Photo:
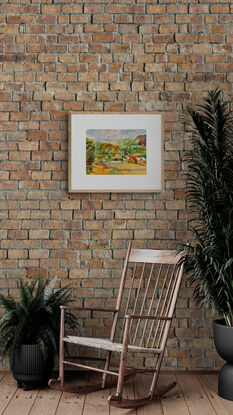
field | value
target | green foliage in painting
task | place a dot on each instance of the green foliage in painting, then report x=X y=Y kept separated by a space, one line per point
x=103 y=153
x=128 y=147
x=90 y=154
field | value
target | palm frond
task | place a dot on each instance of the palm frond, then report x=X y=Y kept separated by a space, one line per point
x=209 y=193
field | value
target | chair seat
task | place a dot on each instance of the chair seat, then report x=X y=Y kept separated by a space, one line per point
x=107 y=344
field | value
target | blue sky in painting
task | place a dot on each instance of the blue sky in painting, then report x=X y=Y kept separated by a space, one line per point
x=114 y=135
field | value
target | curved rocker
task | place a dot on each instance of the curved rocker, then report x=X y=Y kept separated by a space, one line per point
x=73 y=386
x=120 y=402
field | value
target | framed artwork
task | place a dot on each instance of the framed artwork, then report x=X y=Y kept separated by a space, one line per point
x=115 y=152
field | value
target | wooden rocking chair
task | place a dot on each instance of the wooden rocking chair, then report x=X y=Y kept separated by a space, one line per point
x=142 y=318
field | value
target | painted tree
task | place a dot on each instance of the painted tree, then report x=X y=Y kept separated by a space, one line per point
x=90 y=154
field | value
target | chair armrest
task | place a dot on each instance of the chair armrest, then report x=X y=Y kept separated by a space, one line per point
x=73 y=307
x=137 y=316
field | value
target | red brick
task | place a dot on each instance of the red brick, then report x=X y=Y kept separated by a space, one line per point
x=91 y=204
x=38 y=234
x=219 y=8
x=122 y=234
x=103 y=37
x=8 y=263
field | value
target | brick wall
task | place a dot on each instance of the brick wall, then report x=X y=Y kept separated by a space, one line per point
x=62 y=56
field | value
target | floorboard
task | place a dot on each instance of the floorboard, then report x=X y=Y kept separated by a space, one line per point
x=21 y=402
x=96 y=402
x=173 y=403
x=194 y=394
x=210 y=386
x=72 y=403
x=46 y=402
x=8 y=388
x=195 y=397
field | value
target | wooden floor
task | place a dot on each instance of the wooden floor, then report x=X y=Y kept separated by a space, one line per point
x=195 y=394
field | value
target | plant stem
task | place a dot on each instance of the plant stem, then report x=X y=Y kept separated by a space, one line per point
x=227 y=320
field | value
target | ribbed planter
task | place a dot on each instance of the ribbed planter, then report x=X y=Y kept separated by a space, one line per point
x=223 y=340
x=29 y=366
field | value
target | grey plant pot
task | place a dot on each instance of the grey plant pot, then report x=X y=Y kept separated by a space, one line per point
x=29 y=366
x=223 y=340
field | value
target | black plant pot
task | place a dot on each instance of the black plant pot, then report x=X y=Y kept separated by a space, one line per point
x=223 y=340
x=29 y=367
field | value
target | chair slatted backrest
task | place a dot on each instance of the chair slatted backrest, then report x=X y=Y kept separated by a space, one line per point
x=149 y=287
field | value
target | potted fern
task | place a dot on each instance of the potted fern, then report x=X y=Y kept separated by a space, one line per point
x=209 y=263
x=29 y=329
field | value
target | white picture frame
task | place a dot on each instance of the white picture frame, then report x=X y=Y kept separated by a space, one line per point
x=94 y=166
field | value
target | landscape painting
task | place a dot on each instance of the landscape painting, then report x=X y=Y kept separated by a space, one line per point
x=111 y=152
x=116 y=152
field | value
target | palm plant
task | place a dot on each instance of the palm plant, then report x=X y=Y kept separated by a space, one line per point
x=34 y=318
x=209 y=263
